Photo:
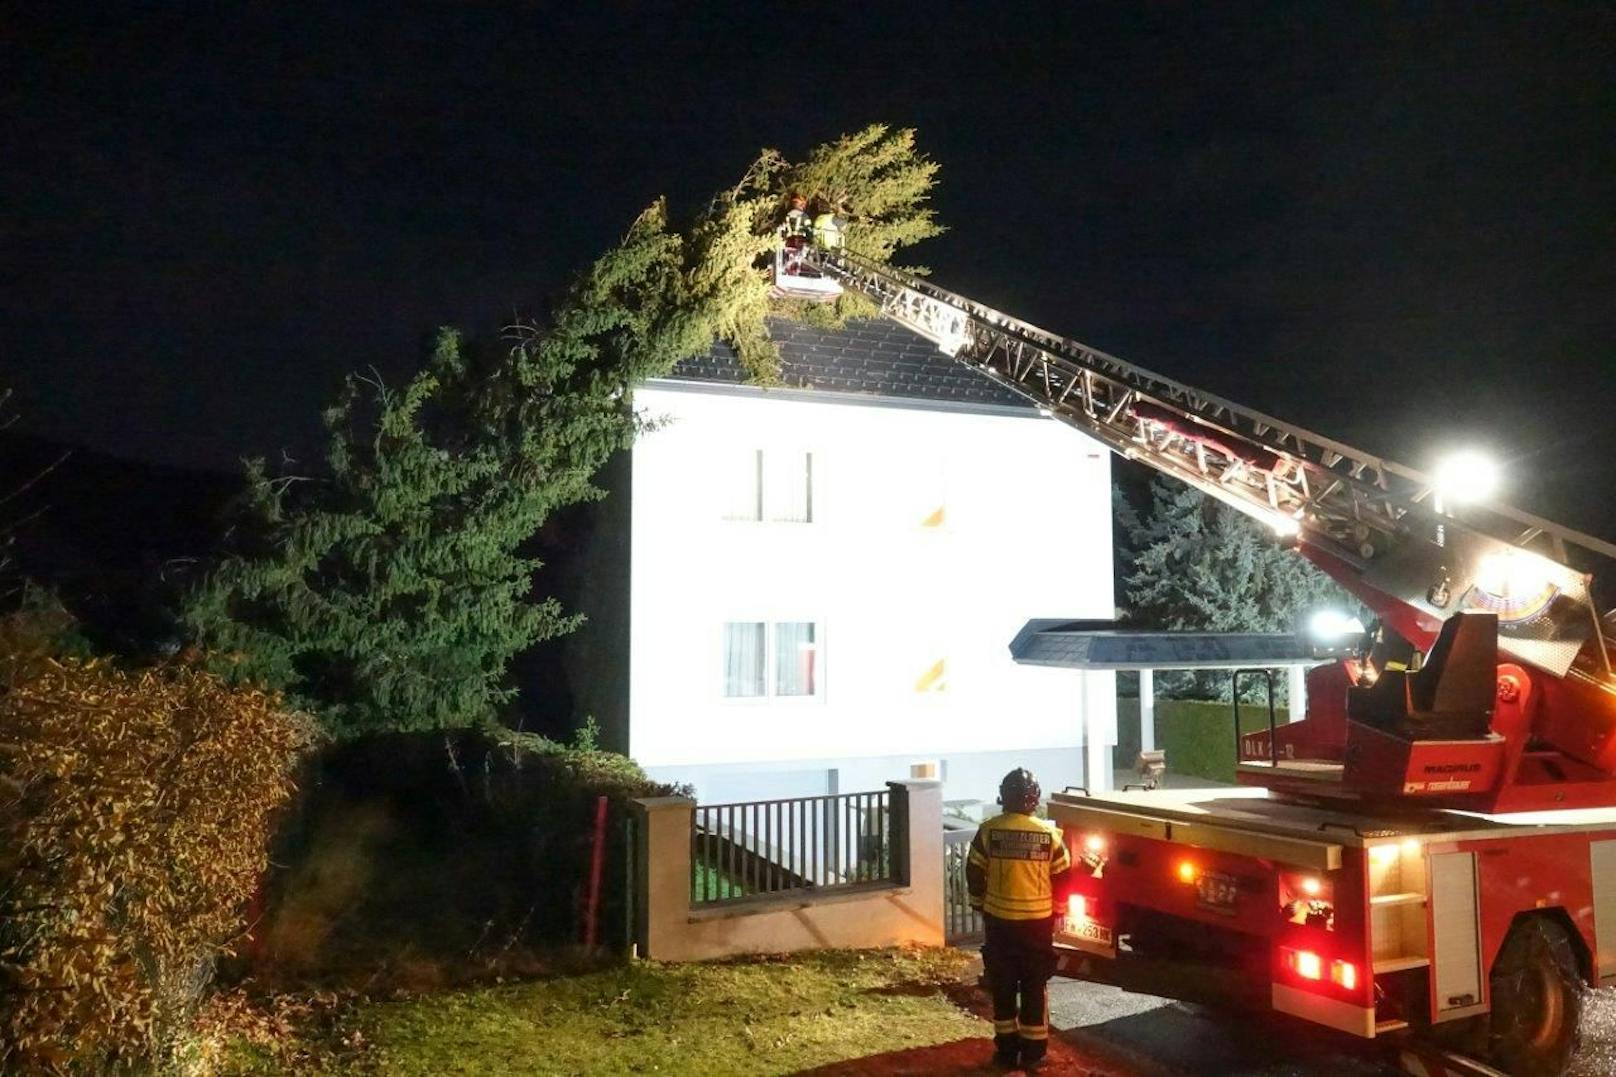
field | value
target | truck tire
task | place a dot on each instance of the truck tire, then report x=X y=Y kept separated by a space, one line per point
x=1536 y=1001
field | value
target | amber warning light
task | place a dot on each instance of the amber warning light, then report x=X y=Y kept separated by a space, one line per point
x=1310 y=966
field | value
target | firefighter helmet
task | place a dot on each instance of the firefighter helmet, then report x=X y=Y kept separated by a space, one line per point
x=1019 y=791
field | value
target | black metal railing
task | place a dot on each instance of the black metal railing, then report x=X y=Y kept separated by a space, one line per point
x=803 y=844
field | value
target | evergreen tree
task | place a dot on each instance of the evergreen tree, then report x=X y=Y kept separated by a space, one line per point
x=390 y=593
x=1193 y=563
x=877 y=181
x=390 y=590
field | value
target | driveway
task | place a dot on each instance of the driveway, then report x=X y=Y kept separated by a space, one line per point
x=1165 y=1037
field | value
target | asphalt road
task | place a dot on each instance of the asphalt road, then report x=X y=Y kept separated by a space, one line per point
x=1165 y=1037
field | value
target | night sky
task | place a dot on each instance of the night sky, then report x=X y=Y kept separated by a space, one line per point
x=1398 y=229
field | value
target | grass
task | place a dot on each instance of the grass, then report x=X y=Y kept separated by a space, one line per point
x=761 y=1016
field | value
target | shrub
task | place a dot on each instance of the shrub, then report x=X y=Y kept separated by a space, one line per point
x=135 y=811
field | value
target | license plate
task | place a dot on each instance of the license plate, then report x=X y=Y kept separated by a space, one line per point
x=1090 y=932
x=1217 y=892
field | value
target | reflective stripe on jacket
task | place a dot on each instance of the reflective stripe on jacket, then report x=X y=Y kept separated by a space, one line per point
x=1014 y=864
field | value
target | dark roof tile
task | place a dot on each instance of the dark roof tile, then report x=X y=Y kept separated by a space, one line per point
x=875 y=357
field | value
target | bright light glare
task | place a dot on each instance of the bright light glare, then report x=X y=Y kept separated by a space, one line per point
x=1309 y=965
x=1094 y=843
x=1512 y=574
x=1186 y=871
x=1328 y=626
x=1311 y=886
x=1077 y=907
x=1411 y=847
x=1467 y=475
x=1285 y=526
x=1383 y=854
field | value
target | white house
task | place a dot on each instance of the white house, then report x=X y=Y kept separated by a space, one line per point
x=823 y=579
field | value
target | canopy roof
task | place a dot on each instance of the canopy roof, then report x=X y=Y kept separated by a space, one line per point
x=1072 y=644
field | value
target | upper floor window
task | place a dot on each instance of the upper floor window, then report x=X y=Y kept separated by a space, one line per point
x=771 y=484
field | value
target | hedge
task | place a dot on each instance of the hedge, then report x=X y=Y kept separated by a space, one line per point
x=1197 y=735
x=135 y=813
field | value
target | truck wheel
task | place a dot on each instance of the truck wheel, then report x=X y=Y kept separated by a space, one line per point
x=1536 y=1000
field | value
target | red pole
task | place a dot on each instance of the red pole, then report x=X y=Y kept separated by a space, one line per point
x=596 y=860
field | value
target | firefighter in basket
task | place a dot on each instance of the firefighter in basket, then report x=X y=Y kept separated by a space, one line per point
x=804 y=227
x=795 y=232
x=1016 y=873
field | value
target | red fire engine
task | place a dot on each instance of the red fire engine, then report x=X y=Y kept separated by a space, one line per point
x=1429 y=855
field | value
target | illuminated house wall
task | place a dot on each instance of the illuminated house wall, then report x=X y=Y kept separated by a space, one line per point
x=933 y=531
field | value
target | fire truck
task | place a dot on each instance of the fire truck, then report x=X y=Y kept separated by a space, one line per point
x=1427 y=856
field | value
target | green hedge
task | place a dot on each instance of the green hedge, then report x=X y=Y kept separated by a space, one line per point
x=1198 y=736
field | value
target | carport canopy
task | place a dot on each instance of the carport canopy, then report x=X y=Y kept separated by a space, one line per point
x=1101 y=645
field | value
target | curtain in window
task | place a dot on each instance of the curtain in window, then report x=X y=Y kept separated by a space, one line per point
x=796 y=659
x=743 y=487
x=788 y=486
x=743 y=658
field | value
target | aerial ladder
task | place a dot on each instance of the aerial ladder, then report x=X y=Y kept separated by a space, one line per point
x=1429 y=854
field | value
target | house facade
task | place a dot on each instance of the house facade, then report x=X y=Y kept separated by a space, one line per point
x=824 y=578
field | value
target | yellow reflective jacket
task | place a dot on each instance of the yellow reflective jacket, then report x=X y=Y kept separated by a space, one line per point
x=828 y=231
x=1015 y=863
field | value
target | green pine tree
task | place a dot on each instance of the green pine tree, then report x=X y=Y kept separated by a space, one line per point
x=875 y=179
x=389 y=590
x=1192 y=563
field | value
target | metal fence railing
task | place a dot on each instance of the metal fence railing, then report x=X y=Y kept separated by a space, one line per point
x=767 y=847
x=961 y=923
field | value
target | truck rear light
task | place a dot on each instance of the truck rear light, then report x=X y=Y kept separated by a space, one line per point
x=1187 y=871
x=1077 y=907
x=1306 y=964
x=1344 y=974
x=1094 y=843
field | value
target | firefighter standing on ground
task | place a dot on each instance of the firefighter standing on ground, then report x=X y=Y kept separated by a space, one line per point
x=1015 y=873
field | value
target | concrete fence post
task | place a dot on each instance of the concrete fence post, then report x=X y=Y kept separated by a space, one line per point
x=662 y=872
x=917 y=841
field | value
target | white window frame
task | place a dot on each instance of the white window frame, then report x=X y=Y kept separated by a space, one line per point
x=760 y=467
x=770 y=657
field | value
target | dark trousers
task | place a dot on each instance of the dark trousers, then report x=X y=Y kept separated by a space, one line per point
x=1019 y=958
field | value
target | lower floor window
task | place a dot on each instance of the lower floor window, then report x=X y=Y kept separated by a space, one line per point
x=763 y=658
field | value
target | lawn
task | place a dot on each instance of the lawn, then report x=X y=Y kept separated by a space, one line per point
x=762 y=1016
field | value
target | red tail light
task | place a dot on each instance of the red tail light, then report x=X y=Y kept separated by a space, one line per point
x=1307 y=964
x=1344 y=974
x=1077 y=907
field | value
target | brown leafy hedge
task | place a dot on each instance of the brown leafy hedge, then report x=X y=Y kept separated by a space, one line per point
x=135 y=813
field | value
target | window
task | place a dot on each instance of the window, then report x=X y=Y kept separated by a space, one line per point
x=780 y=660
x=796 y=659
x=745 y=487
x=770 y=485
x=788 y=487
x=743 y=659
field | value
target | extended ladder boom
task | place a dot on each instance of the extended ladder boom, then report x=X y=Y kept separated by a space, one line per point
x=1376 y=526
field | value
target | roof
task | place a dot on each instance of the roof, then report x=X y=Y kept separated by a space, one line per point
x=874 y=357
x=1078 y=645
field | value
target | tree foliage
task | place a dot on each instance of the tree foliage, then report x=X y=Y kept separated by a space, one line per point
x=135 y=809
x=1190 y=562
x=881 y=185
x=879 y=182
x=390 y=589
